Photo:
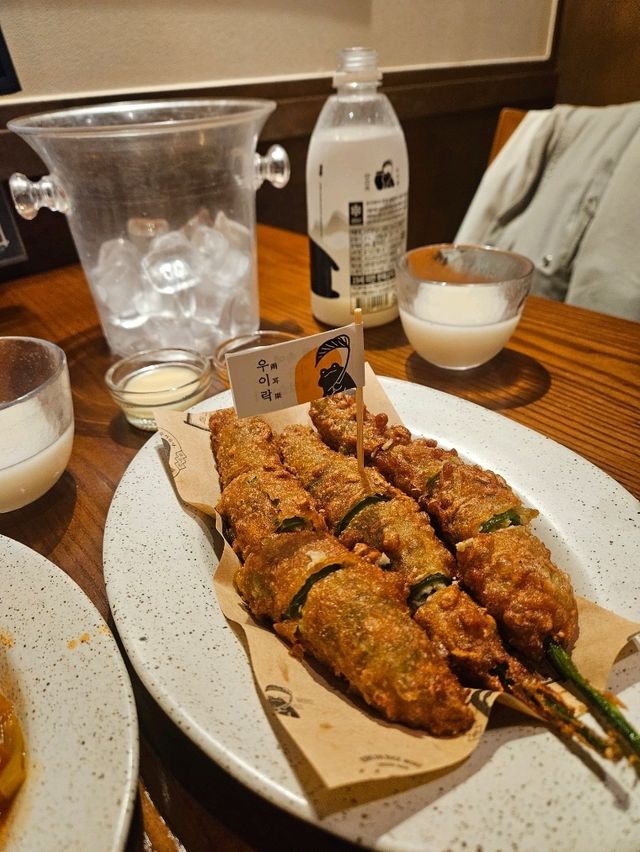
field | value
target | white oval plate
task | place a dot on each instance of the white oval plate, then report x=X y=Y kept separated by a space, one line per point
x=62 y=668
x=522 y=789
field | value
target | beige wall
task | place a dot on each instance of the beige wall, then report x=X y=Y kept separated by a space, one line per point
x=81 y=47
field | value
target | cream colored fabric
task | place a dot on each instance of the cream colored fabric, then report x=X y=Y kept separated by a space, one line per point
x=565 y=192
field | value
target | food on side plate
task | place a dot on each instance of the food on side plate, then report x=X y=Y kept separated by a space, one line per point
x=12 y=755
x=324 y=599
x=387 y=527
x=506 y=567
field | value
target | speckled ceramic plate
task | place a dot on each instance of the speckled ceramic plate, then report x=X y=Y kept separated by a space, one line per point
x=522 y=789
x=61 y=666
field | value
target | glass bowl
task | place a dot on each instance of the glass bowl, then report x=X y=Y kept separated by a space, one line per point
x=460 y=304
x=158 y=378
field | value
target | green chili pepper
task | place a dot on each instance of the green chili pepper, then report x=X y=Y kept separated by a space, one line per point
x=422 y=590
x=294 y=610
x=610 y=715
x=291 y=524
x=431 y=482
x=550 y=708
x=369 y=500
x=510 y=518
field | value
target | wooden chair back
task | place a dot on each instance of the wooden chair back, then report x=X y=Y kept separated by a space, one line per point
x=508 y=120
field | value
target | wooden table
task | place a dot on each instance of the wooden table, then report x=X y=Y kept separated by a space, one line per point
x=571 y=374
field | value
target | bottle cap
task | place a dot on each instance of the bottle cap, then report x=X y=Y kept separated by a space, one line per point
x=357 y=65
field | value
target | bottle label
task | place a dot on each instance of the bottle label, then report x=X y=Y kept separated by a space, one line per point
x=377 y=236
x=357 y=217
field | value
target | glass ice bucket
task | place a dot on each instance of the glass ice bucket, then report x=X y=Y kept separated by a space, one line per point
x=160 y=197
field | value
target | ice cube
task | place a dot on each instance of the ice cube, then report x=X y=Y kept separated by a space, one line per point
x=116 y=251
x=172 y=264
x=234 y=267
x=209 y=242
x=237 y=234
x=165 y=332
x=244 y=315
x=116 y=277
x=202 y=218
x=205 y=337
x=171 y=305
x=125 y=341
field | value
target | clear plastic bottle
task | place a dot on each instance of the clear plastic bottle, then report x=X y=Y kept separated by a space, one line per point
x=357 y=197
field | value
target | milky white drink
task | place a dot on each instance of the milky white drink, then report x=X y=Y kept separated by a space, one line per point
x=357 y=189
x=458 y=327
x=26 y=480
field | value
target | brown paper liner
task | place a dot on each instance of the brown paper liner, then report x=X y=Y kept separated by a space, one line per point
x=344 y=741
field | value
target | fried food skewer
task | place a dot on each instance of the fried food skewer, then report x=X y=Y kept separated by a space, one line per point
x=321 y=597
x=258 y=503
x=241 y=446
x=505 y=566
x=393 y=527
x=347 y=614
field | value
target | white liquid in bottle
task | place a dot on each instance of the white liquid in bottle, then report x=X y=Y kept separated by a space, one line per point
x=357 y=194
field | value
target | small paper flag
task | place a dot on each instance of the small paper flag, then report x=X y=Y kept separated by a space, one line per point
x=268 y=378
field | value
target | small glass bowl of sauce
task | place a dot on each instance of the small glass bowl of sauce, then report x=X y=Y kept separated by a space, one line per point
x=158 y=378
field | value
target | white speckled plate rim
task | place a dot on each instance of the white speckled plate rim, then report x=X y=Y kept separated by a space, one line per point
x=74 y=697
x=522 y=789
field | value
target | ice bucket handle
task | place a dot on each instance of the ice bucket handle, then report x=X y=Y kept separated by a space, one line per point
x=274 y=167
x=29 y=196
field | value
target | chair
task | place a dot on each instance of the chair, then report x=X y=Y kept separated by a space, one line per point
x=508 y=120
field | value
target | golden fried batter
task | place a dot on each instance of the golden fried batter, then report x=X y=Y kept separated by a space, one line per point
x=399 y=530
x=532 y=598
x=353 y=621
x=468 y=634
x=271 y=576
x=256 y=504
x=352 y=624
x=459 y=497
x=510 y=572
x=464 y=497
x=413 y=467
x=335 y=419
x=333 y=480
x=241 y=445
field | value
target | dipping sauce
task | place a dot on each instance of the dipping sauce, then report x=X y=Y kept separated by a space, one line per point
x=163 y=382
x=164 y=378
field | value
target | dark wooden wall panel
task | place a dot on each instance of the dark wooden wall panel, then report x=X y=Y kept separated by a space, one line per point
x=598 y=52
x=448 y=116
